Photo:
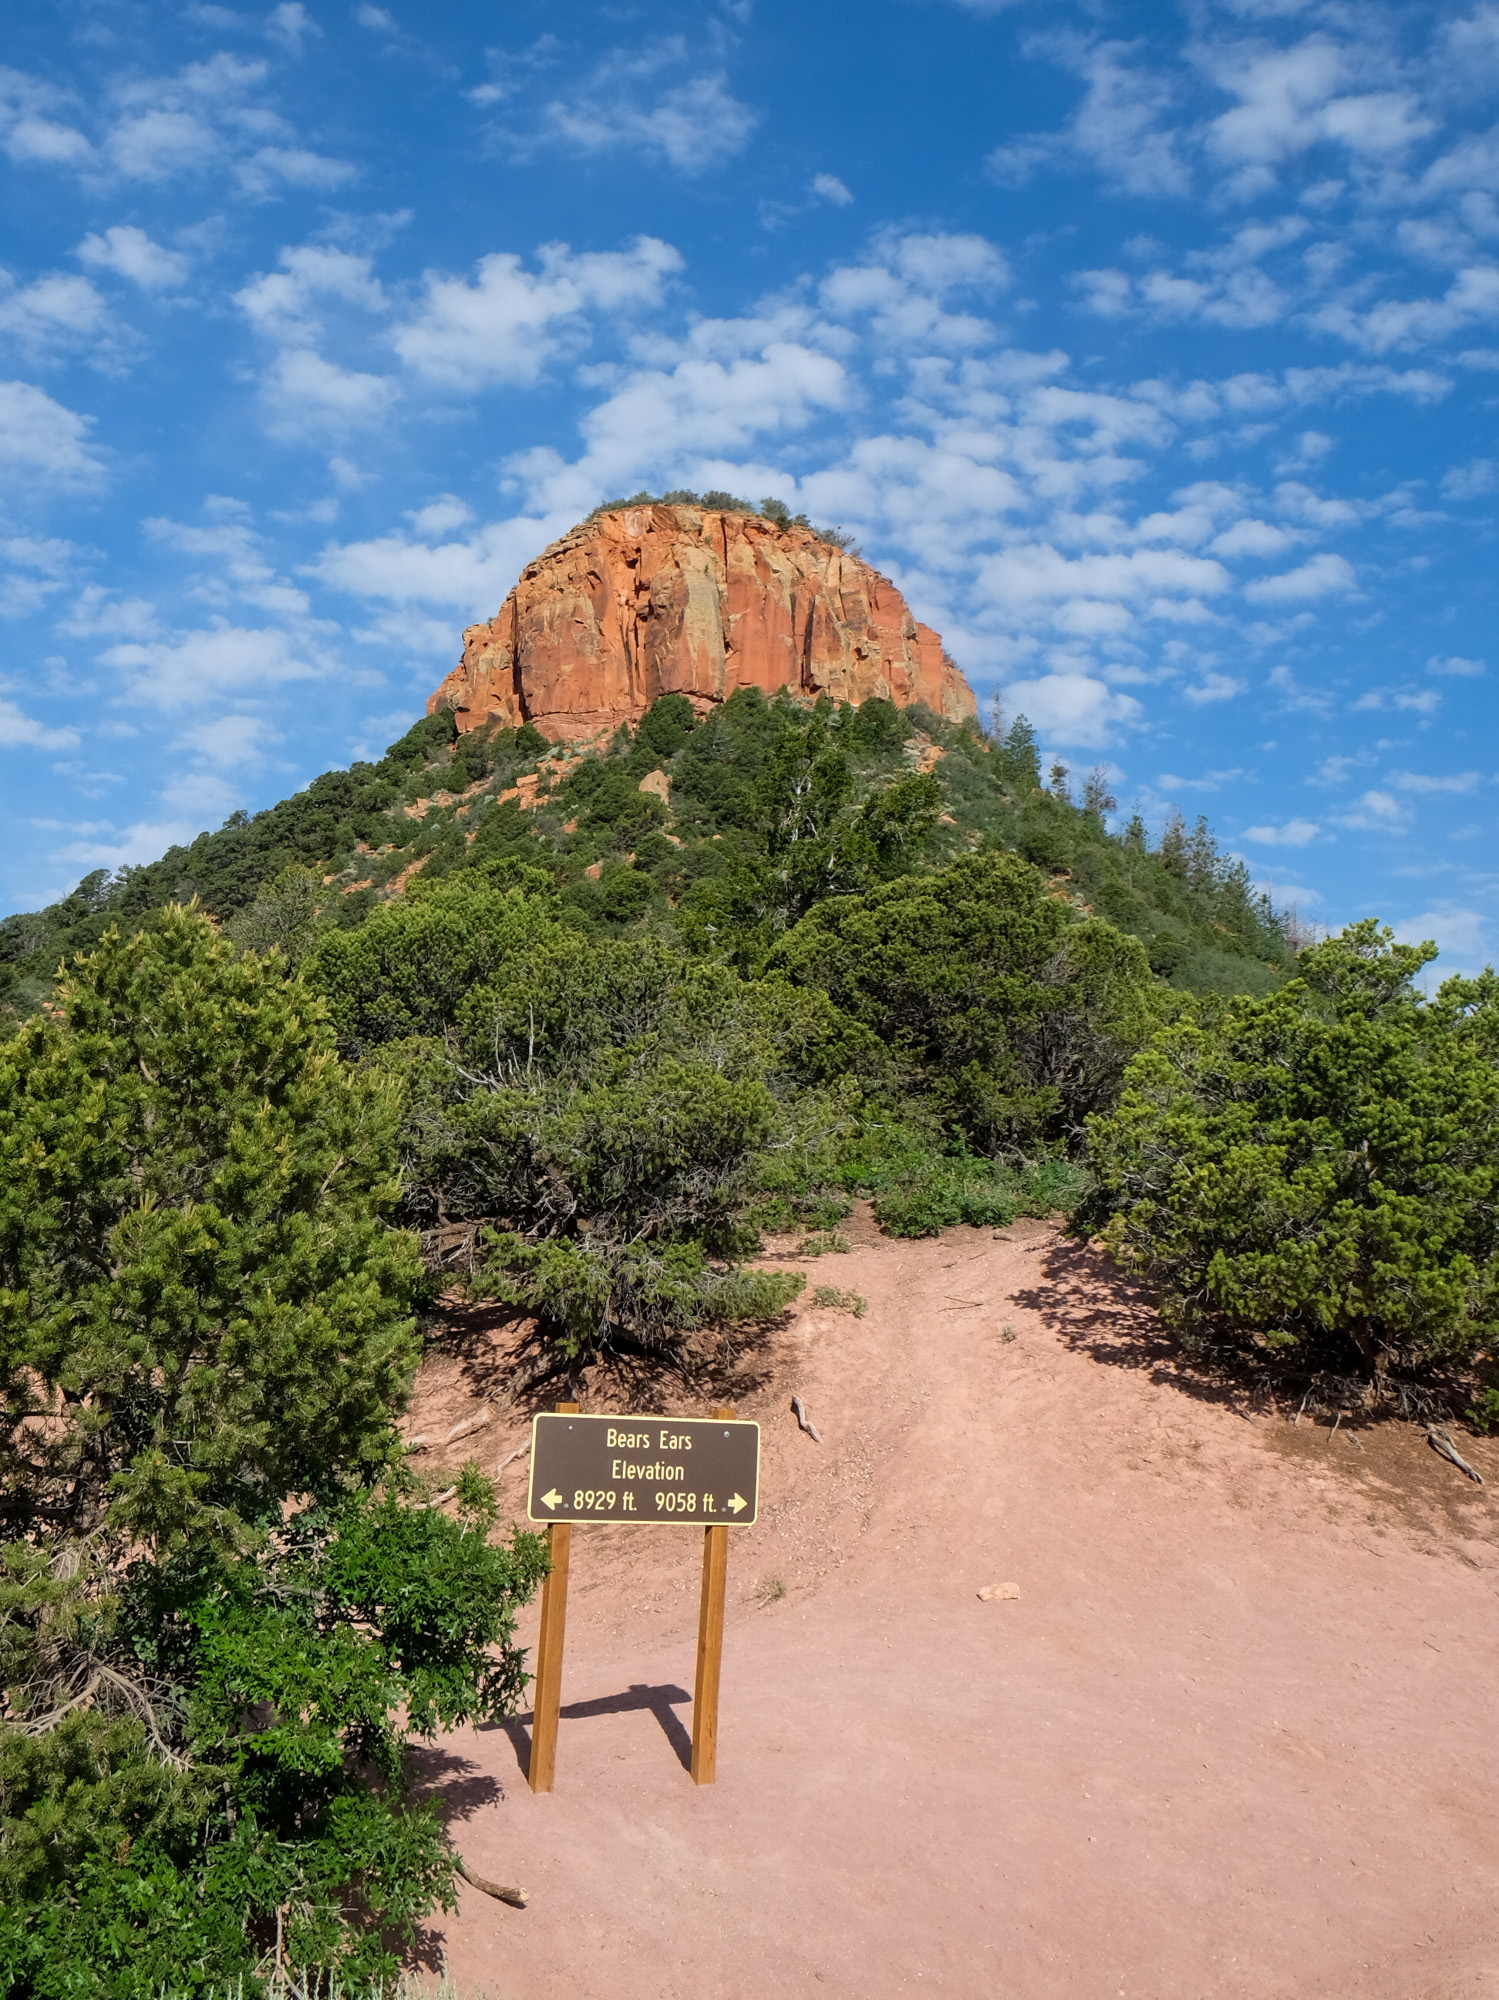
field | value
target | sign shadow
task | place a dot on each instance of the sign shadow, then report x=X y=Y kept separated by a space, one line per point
x=661 y=1701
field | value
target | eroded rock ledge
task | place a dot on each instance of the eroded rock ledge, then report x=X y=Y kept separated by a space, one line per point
x=654 y=600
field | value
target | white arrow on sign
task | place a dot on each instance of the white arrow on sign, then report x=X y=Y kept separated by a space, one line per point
x=738 y=1504
x=552 y=1499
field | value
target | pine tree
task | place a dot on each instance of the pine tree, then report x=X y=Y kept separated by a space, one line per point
x=1202 y=856
x=1173 y=848
x=1022 y=759
x=1097 y=798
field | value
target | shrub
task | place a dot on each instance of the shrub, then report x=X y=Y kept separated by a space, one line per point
x=1017 y=1017
x=597 y=1114
x=1315 y=1173
x=830 y=1299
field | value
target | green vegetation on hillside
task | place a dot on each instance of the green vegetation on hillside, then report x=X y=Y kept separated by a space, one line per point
x=773 y=806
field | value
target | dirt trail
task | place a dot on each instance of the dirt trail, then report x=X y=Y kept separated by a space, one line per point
x=1234 y=1737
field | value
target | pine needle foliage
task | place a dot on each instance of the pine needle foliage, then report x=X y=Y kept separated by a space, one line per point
x=221 y=1616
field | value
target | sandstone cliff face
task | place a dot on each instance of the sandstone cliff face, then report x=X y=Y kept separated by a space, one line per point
x=657 y=600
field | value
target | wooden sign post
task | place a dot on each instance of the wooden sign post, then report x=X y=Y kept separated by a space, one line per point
x=549 y=1651
x=709 y=1650
x=641 y=1472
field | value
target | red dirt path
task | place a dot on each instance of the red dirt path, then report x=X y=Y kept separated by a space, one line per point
x=1235 y=1738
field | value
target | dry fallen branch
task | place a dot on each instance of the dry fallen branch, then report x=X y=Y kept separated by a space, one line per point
x=1442 y=1443
x=805 y=1421
x=466 y=1426
x=516 y=1898
x=519 y=1452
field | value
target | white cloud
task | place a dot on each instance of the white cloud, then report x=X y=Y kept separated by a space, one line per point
x=36 y=569
x=1073 y=709
x=1456 y=665
x=1375 y=812
x=828 y=187
x=235 y=738
x=1461 y=933
x=42 y=442
x=29 y=133
x=162 y=144
x=194 y=669
x=440 y=515
x=236 y=565
x=1291 y=100
x=171 y=127
x=95 y=609
x=1213 y=687
x=727 y=384
x=145 y=841
x=21 y=731
x=508 y=324
x=303 y=389
x=271 y=168
x=290 y=23
x=1472 y=296
x=471 y=578
x=285 y=304
x=1028 y=575
x=52 y=314
x=1123 y=127
x=207 y=797
x=628 y=102
x=1425 y=702
x=130 y=253
x=903 y=289
x=210 y=116
x=1292 y=833
x=1295 y=698
x=1355 y=378
x=418 y=638
x=1250 y=537
x=1471 y=481
x=1321 y=577
x=1420 y=781
x=1206 y=781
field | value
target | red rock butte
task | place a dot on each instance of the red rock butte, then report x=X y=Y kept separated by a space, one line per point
x=651 y=600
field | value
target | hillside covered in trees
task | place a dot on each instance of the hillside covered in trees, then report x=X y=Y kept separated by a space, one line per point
x=747 y=819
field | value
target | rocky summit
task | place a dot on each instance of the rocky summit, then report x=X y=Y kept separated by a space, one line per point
x=641 y=601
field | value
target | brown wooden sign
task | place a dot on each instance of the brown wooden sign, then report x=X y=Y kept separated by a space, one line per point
x=645 y=1471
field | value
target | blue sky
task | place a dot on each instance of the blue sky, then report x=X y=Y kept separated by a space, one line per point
x=1154 y=351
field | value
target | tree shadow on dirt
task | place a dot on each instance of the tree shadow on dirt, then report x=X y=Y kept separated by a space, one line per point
x=661 y=1701
x=454 y=1781
x=505 y=1358
x=485 y=1338
x=459 y=1790
x=1099 y=1310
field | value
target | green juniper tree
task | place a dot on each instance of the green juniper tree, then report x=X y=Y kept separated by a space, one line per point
x=219 y=1622
x=1315 y=1174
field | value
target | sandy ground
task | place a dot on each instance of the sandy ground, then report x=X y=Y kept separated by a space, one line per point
x=1234 y=1737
